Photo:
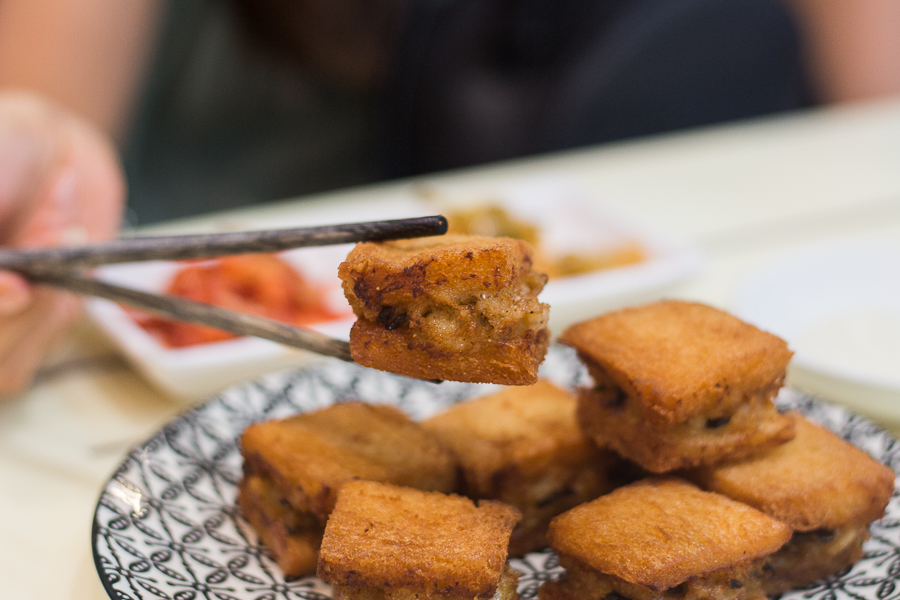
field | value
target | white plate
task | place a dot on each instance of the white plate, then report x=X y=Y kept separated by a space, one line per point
x=838 y=307
x=166 y=525
x=570 y=222
x=568 y=219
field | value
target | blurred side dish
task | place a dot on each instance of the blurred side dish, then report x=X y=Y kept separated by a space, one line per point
x=256 y=284
x=491 y=220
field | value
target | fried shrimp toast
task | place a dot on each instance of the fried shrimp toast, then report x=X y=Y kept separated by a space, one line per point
x=455 y=307
x=522 y=446
x=662 y=538
x=386 y=542
x=293 y=469
x=679 y=385
x=292 y=536
x=825 y=489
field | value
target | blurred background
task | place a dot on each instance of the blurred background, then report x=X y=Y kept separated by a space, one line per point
x=222 y=103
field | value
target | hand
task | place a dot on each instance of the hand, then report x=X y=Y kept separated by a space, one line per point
x=60 y=183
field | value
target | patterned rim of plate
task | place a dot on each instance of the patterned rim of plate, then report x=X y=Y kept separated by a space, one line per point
x=166 y=524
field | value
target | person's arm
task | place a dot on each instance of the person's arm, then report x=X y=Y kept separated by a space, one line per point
x=87 y=55
x=853 y=46
x=60 y=180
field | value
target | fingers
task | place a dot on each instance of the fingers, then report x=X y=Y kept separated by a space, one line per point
x=60 y=183
x=53 y=165
x=99 y=184
x=28 y=151
x=15 y=295
x=25 y=339
x=52 y=216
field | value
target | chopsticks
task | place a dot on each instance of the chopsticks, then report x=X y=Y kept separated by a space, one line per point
x=181 y=247
x=200 y=313
x=62 y=268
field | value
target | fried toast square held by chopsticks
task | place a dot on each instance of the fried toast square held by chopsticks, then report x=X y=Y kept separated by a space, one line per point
x=390 y=542
x=662 y=538
x=825 y=489
x=680 y=384
x=294 y=468
x=456 y=307
x=522 y=446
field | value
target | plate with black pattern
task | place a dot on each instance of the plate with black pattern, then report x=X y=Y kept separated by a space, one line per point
x=167 y=527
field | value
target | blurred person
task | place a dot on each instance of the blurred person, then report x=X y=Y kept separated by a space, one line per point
x=222 y=103
x=484 y=81
x=250 y=100
x=488 y=81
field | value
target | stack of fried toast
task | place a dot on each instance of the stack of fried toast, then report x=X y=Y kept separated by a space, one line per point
x=294 y=468
x=672 y=475
x=685 y=392
x=520 y=446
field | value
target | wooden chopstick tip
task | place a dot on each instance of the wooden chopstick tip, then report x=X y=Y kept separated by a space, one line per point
x=442 y=224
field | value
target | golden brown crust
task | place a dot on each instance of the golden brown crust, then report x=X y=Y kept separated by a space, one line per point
x=385 y=536
x=311 y=455
x=506 y=590
x=815 y=481
x=810 y=556
x=680 y=359
x=399 y=272
x=452 y=307
x=659 y=532
x=523 y=446
x=293 y=538
x=408 y=353
x=581 y=582
x=612 y=422
x=531 y=533
x=521 y=426
x=558 y=590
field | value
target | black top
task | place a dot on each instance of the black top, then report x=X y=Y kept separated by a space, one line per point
x=469 y=81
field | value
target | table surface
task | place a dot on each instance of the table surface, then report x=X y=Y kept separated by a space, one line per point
x=745 y=194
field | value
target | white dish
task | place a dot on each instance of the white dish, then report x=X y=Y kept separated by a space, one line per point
x=196 y=372
x=568 y=219
x=570 y=222
x=166 y=525
x=838 y=307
